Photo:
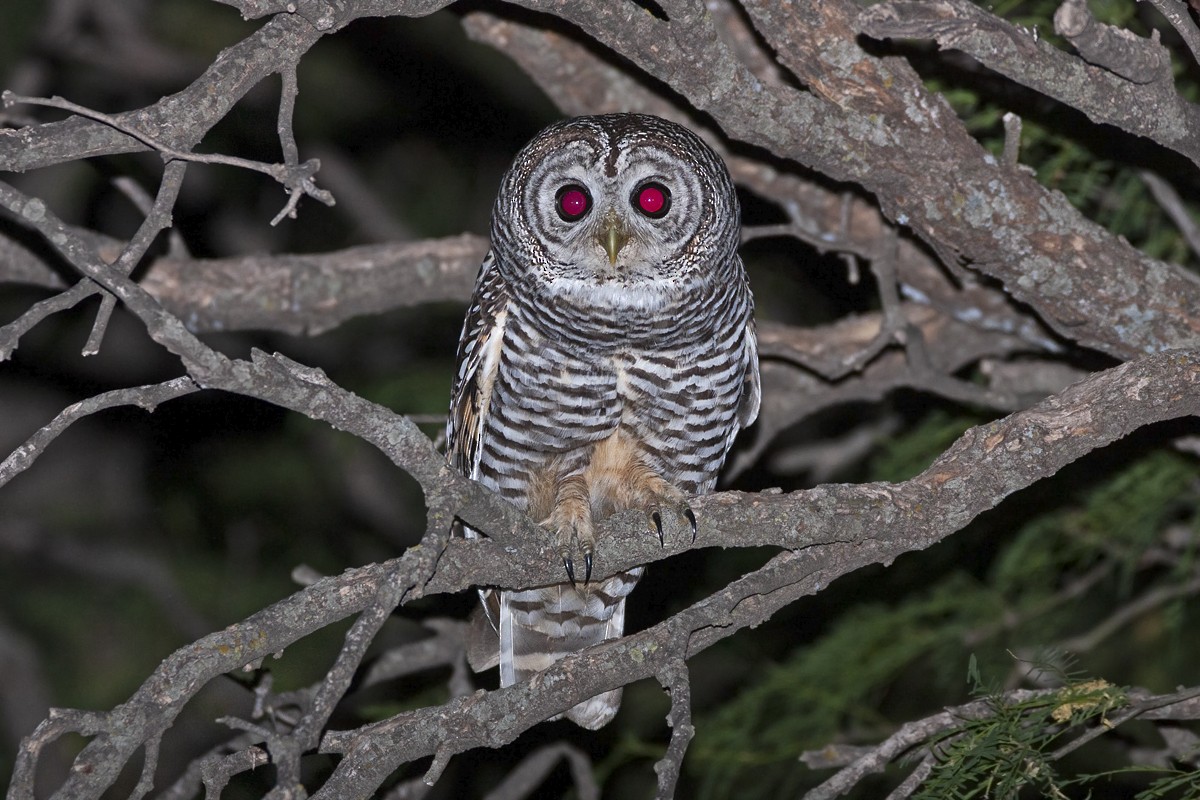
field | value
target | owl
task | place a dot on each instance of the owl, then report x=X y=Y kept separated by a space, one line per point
x=607 y=361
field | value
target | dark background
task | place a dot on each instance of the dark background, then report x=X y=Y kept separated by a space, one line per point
x=137 y=533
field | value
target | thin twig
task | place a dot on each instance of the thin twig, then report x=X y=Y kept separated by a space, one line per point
x=908 y=736
x=1136 y=710
x=525 y=778
x=440 y=650
x=287 y=106
x=894 y=322
x=1170 y=201
x=337 y=680
x=217 y=765
x=217 y=771
x=1012 y=138
x=914 y=779
x=1177 y=14
x=1149 y=601
x=297 y=178
x=10 y=98
x=675 y=680
x=107 y=304
x=157 y=219
x=10 y=334
x=146 y=397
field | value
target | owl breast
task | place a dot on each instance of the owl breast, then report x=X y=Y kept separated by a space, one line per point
x=569 y=379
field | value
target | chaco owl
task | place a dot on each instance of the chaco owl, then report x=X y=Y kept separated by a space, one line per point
x=606 y=363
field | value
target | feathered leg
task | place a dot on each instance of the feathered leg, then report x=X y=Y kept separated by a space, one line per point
x=539 y=626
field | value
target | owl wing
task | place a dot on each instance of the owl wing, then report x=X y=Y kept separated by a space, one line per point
x=478 y=360
x=751 y=397
x=479 y=348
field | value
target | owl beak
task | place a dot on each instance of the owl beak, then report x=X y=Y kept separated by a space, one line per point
x=612 y=236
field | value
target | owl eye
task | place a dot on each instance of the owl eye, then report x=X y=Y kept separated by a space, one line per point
x=572 y=202
x=652 y=199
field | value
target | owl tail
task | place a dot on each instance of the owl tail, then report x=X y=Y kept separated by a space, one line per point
x=540 y=626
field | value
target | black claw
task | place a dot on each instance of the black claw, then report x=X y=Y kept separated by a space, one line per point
x=570 y=565
x=656 y=518
x=687 y=512
x=587 y=568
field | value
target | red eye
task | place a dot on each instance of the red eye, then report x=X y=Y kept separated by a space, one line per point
x=572 y=202
x=652 y=199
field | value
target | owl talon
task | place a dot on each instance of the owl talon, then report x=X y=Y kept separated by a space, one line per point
x=691 y=518
x=656 y=518
x=587 y=568
x=570 y=567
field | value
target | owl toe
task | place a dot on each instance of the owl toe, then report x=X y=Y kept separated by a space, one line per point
x=575 y=540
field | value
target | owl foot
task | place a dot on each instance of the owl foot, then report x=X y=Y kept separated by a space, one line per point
x=571 y=522
x=619 y=478
x=562 y=505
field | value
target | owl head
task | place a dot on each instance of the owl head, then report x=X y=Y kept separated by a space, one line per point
x=615 y=209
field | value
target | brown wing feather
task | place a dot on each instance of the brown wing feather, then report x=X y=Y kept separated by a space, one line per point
x=478 y=359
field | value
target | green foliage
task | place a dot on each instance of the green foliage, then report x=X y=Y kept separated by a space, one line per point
x=1116 y=521
x=835 y=684
x=1173 y=783
x=1017 y=579
x=1126 y=514
x=1013 y=746
x=1007 y=750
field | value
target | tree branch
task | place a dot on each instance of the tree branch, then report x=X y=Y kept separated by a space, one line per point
x=1142 y=101
x=311 y=294
x=829 y=531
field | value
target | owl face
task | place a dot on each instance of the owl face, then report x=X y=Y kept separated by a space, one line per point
x=620 y=208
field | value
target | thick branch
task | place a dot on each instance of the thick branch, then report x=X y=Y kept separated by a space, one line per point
x=1019 y=463
x=311 y=294
x=1144 y=107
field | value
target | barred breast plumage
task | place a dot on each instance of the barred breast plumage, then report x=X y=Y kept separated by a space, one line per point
x=607 y=362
